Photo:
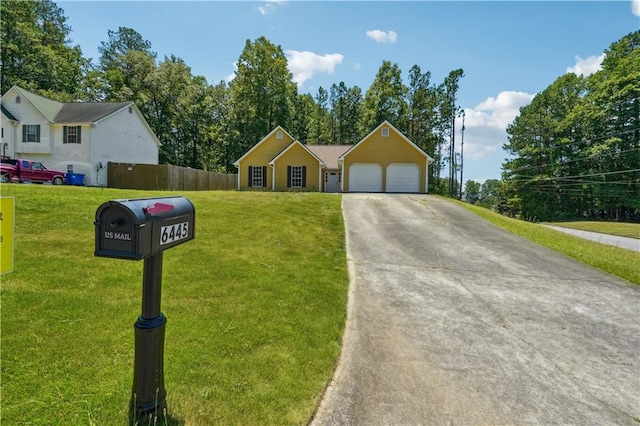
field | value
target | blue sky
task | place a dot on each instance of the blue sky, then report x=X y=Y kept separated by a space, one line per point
x=509 y=50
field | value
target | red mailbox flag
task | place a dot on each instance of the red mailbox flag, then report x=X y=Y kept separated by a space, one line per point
x=158 y=208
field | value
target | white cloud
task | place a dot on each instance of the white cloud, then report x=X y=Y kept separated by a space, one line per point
x=500 y=111
x=587 y=66
x=270 y=6
x=635 y=7
x=486 y=123
x=379 y=36
x=231 y=76
x=266 y=9
x=303 y=65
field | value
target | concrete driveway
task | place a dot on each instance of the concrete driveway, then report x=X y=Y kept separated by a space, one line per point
x=453 y=321
x=612 y=240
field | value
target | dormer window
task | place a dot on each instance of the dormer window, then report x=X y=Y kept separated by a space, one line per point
x=279 y=135
x=17 y=99
x=385 y=132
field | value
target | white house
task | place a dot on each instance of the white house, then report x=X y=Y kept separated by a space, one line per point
x=75 y=137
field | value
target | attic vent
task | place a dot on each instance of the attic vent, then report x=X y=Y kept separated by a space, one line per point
x=385 y=132
x=130 y=110
x=279 y=135
x=17 y=99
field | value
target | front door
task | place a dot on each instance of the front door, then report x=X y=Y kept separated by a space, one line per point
x=332 y=182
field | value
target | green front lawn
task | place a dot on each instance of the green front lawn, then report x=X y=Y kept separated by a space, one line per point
x=631 y=230
x=255 y=306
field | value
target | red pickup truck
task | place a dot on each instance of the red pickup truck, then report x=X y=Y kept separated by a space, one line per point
x=15 y=170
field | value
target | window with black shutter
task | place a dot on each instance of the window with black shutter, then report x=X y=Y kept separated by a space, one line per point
x=257 y=176
x=296 y=176
x=71 y=134
x=30 y=133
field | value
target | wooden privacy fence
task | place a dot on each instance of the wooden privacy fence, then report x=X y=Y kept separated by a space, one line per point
x=167 y=177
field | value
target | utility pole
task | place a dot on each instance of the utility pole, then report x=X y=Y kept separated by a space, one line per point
x=452 y=152
x=461 y=151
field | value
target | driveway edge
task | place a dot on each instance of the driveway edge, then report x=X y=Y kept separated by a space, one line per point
x=329 y=394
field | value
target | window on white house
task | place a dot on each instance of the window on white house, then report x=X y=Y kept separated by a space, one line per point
x=17 y=99
x=71 y=134
x=385 y=132
x=30 y=133
x=256 y=177
x=296 y=176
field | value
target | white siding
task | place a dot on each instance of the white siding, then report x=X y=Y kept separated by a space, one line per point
x=76 y=155
x=120 y=138
x=25 y=113
x=8 y=136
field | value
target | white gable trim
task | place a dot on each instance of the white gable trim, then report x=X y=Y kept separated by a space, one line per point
x=113 y=113
x=25 y=98
x=140 y=117
x=406 y=139
x=272 y=162
x=11 y=120
x=237 y=162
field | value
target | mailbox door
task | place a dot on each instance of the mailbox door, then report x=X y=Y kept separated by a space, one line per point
x=117 y=234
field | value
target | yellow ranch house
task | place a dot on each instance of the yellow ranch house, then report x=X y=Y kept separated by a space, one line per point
x=383 y=161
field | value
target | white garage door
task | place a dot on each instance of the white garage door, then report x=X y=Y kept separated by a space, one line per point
x=403 y=178
x=365 y=177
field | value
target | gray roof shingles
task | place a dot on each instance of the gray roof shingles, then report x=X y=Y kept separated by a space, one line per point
x=329 y=154
x=72 y=112
x=87 y=112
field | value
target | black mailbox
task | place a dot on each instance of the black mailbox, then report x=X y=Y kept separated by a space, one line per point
x=139 y=228
x=142 y=229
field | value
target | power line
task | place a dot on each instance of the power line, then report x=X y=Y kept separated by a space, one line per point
x=539 y=178
x=577 y=192
x=587 y=182
x=575 y=160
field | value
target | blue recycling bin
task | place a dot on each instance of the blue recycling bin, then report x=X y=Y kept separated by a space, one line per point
x=74 y=179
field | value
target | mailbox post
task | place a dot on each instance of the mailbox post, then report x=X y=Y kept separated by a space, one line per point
x=139 y=229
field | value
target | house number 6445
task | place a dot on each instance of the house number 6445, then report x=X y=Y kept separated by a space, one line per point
x=171 y=233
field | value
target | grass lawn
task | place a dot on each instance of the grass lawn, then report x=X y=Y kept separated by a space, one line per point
x=256 y=307
x=616 y=261
x=631 y=230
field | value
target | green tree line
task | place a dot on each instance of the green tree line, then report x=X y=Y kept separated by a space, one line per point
x=209 y=126
x=574 y=151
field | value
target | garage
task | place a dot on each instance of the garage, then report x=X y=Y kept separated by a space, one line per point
x=365 y=177
x=403 y=178
x=385 y=161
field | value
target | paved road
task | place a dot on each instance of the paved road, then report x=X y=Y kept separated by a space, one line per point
x=453 y=321
x=612 y=240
